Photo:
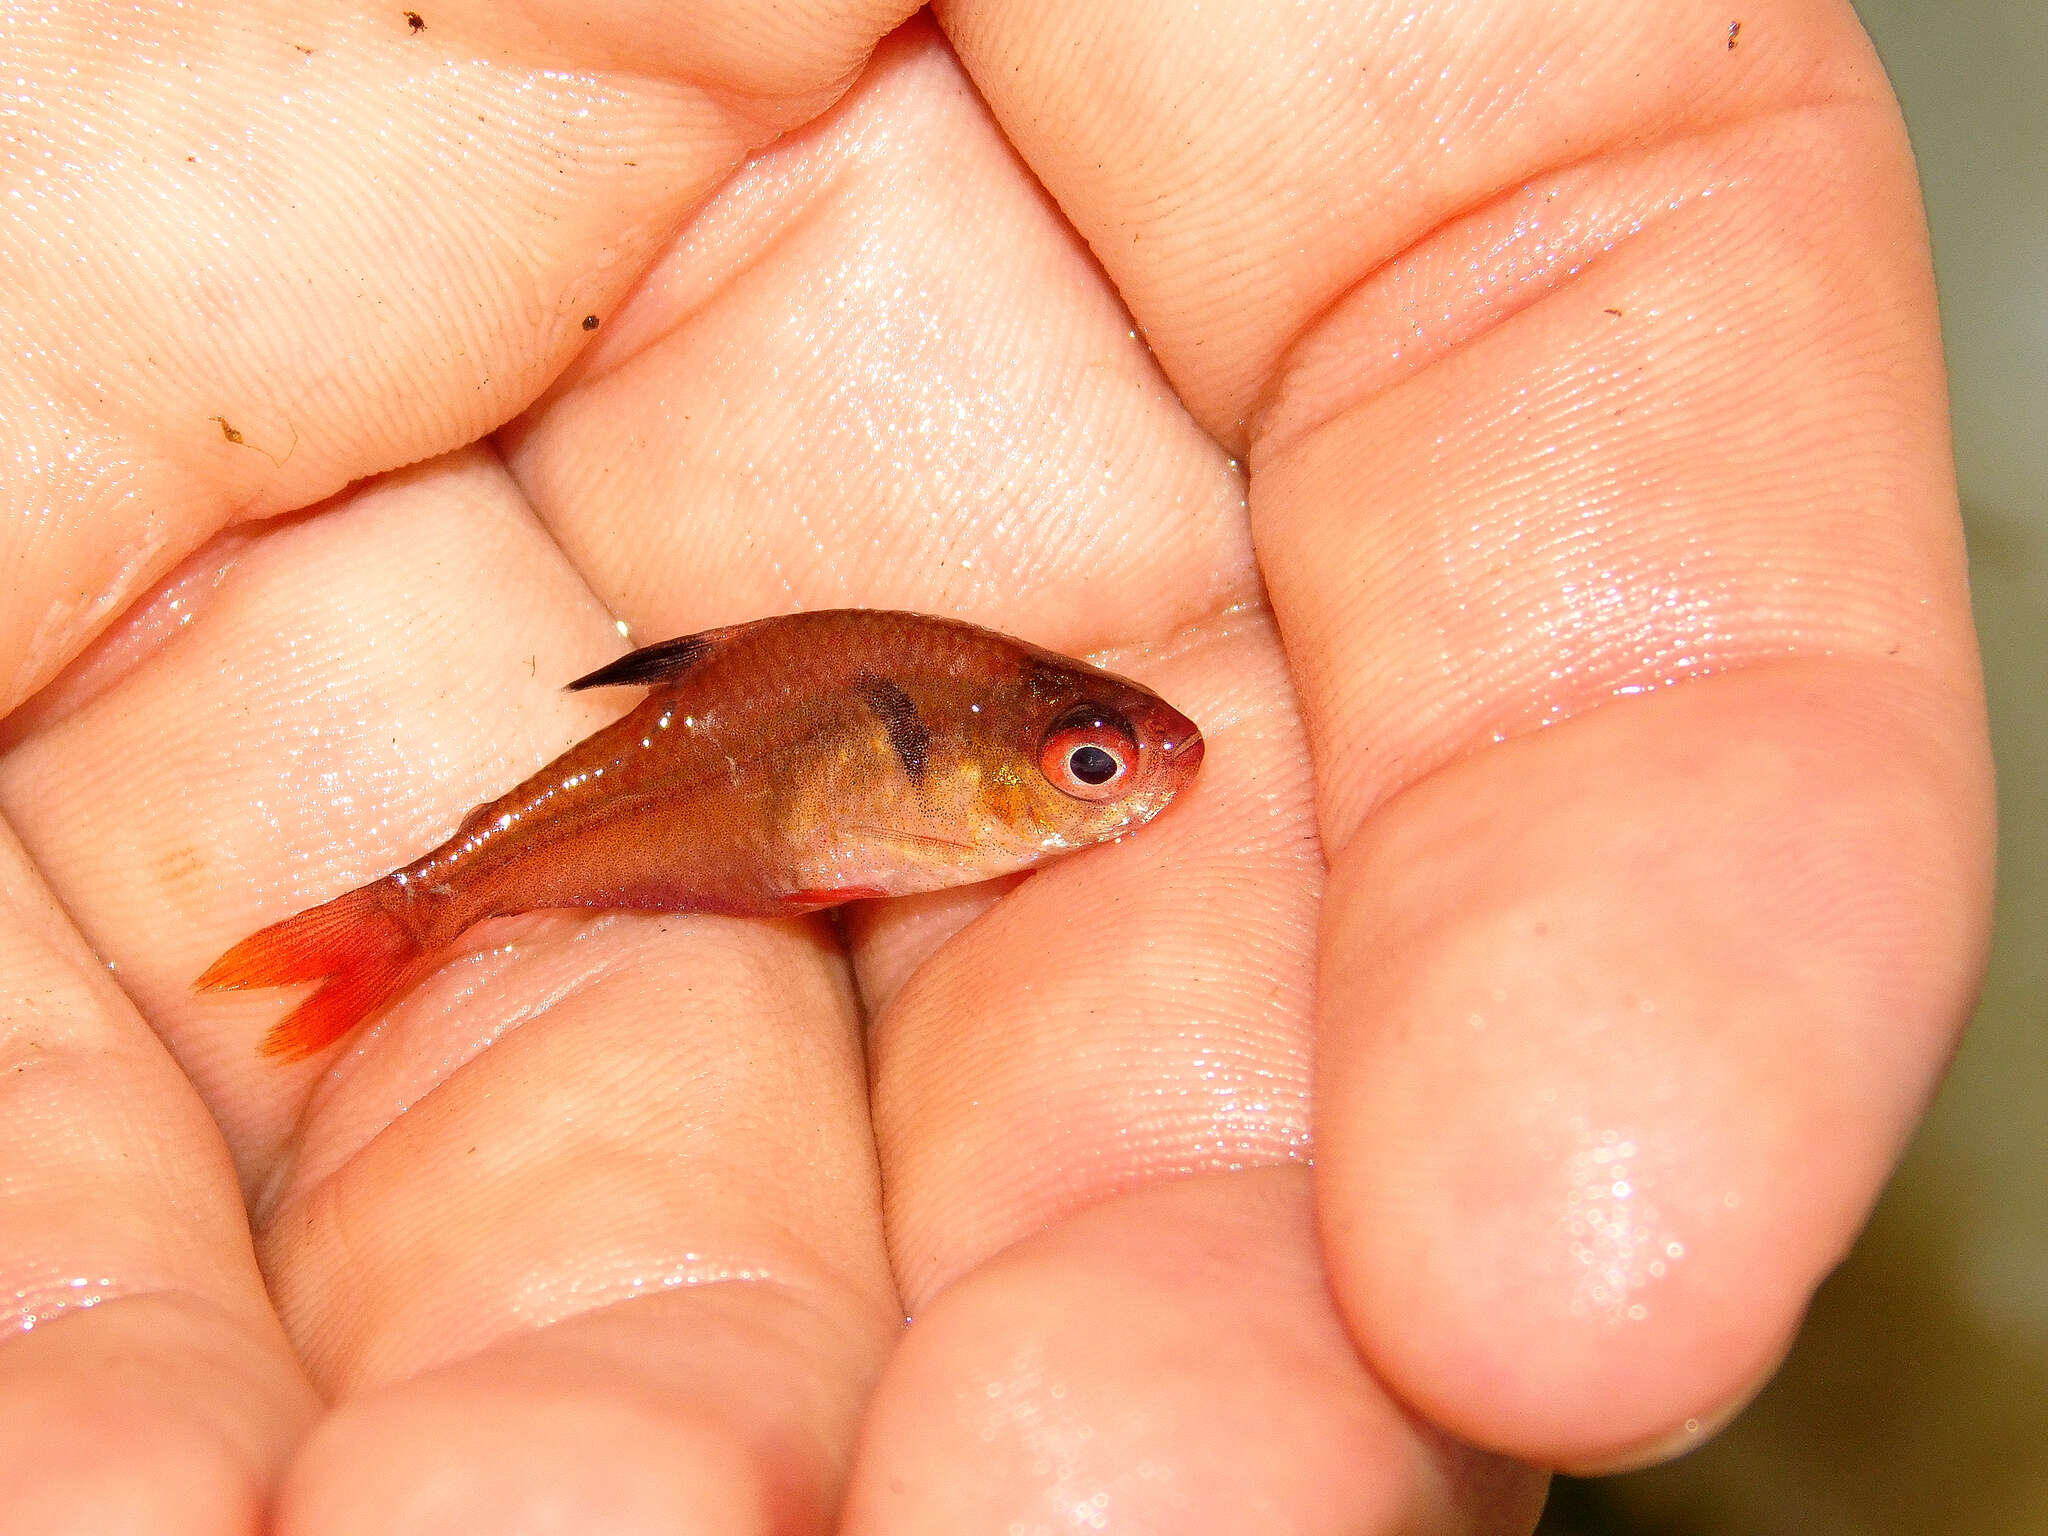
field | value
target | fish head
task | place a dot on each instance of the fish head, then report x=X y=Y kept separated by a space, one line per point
x=1102 y=755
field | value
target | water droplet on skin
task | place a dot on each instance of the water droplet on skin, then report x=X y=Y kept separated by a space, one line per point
x=1613 y=1229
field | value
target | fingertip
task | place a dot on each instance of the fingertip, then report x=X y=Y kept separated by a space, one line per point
x=724 y=1408
x=461 y=1455
x=1166 y=1360
x=146 y=1413
x=119 y=1462
x=1688 y=1437
x=1623 y=1026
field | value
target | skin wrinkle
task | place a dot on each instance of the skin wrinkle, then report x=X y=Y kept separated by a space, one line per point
x=580 y=370
x=1507 y=721
x=1621 y=152
x=117 y=1289
x=805 y=1268
x=104 y=972
x=1483 y=739
x=82 y=680
x=607 y=963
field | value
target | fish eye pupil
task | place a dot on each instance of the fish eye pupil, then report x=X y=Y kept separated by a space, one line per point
x=1092 y=765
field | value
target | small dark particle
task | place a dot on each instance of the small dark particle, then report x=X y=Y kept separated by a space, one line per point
x=233 y=434
x=416 y=21
x=303 y=49
x=590 y=322
x=1614 y=312
x=1734 y=31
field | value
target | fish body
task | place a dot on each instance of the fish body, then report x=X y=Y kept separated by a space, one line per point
x=776 y=767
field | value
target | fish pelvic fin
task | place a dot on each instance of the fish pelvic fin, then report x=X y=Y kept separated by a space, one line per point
x=356 y=944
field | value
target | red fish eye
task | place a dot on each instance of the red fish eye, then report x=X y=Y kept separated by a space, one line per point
x=1088 y=754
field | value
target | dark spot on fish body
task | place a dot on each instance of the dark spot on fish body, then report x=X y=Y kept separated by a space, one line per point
x=590 y=322
x=908 y=734
x=415 y=22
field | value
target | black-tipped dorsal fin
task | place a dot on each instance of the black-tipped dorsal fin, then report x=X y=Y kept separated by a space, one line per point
x=662 y=662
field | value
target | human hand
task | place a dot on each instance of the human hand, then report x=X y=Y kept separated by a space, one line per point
x=1597 y=480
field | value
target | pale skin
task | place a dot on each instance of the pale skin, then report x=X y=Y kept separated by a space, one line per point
x=1596 y=810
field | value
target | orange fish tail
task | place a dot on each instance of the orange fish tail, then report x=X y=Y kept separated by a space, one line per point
x=361 y=948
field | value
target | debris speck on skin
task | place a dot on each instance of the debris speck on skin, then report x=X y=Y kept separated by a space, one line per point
x=233 y=434
x=591 y=322
x=1734 y=31
x=415 y=21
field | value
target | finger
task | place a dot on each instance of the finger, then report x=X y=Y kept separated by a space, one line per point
x=1251 y=1406
x=660 y=1120
x=144 y=1382
x=1632 y=411
x=1603 y=1036
x=286 y=191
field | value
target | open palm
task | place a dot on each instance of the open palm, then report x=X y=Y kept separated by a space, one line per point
x=1531 y=476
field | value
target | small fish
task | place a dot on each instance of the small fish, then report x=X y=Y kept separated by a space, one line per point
x=776 y=767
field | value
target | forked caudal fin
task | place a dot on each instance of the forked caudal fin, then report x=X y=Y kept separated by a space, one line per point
x=354 y=942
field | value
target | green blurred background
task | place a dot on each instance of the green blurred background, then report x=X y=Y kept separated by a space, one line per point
x=1916 y=1400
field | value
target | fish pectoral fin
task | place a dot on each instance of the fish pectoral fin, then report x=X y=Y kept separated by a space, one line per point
x=662 y=662
x=922 y=840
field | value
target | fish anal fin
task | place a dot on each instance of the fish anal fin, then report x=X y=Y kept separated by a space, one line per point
x=812 y=900
x=662 y=662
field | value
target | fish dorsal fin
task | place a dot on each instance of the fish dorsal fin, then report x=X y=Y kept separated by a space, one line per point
x=662 y=662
